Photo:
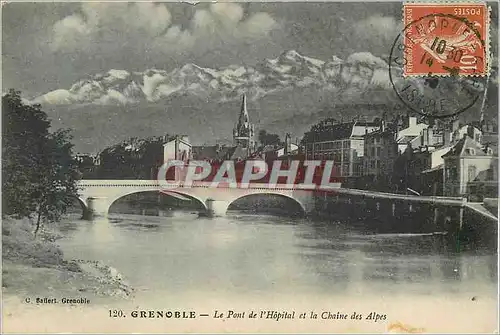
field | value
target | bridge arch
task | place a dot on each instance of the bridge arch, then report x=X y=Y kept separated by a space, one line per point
x=198 y=200
x=82 y=203
x=78 y=203
x=302 y=207
x=191 y=196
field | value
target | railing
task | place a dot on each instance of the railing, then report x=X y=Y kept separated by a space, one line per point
x=202 y=184
x=457 y=201
x=426 y=199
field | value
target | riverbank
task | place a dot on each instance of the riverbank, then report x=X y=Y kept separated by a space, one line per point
x=34 y=266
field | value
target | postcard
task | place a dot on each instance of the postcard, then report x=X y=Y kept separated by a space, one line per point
x=250 y=167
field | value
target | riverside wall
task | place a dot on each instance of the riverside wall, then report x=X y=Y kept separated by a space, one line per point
x=377 y=213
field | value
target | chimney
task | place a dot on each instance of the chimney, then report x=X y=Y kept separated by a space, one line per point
x=383 y=122
x=288 y=143
x=446 y=136
x=424 y=137
x=412 y=121
x=176 y=147
x=470 y=131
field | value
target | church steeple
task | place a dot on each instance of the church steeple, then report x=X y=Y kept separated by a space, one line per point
x=243 y=133
x=243 y=120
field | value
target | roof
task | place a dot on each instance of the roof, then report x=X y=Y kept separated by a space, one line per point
x=436 y=168
x=210 y=152
x=416 y=142
x=238 y=153
x=388 y=132
x=269 y=148
x=329 y=132
x=405 y=139
x=217 y=152
x=463 y=148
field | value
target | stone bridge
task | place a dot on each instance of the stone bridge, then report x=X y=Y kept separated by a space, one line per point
x=97 y=196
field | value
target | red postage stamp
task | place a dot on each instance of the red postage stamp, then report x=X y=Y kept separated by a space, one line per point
x=446 y=39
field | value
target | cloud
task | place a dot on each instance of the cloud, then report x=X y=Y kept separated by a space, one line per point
x=60 y=96
x=368 y=59
x=376 y=33
x=102 y=27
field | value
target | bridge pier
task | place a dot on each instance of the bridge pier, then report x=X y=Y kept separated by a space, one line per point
x=96 y=207
x=216 y=207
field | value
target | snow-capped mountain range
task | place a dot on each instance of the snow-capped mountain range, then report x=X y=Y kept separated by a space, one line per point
x=290 y=70
x=286 y=94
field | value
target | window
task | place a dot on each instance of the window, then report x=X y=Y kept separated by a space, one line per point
x=471 y=173
x=345 y=170
x=453 y=173
x=373 y=152
x=336 y=169
x=378 y=152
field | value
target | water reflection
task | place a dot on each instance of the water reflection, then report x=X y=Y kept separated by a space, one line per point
x=268 y=254
x=422 y=262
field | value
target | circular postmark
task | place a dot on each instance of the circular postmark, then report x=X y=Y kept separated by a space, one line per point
x=436 y=65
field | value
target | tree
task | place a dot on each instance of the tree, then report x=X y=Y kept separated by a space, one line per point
x=266 y=138
x=132 y=159
x=38 y=168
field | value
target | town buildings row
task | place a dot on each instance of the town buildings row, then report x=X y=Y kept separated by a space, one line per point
x=399 y=155
x=405 y=155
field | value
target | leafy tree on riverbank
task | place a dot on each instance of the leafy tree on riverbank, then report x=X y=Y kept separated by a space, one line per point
x=38 y=169
x=266 y=138
x=132 y=159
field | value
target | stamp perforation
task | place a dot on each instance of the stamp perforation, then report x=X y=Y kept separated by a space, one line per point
x=483 y=41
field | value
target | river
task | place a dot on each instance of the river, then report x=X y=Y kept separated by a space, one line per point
x=263 y=254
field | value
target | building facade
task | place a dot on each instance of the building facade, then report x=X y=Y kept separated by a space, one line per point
x=468 y=166
x=178 y=148
x=381 y=151
x=341 y=142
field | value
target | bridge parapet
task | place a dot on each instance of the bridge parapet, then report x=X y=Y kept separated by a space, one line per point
x=215 y=200
x=304 y=195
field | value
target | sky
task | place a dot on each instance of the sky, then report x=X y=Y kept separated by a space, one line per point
x=47 y=46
